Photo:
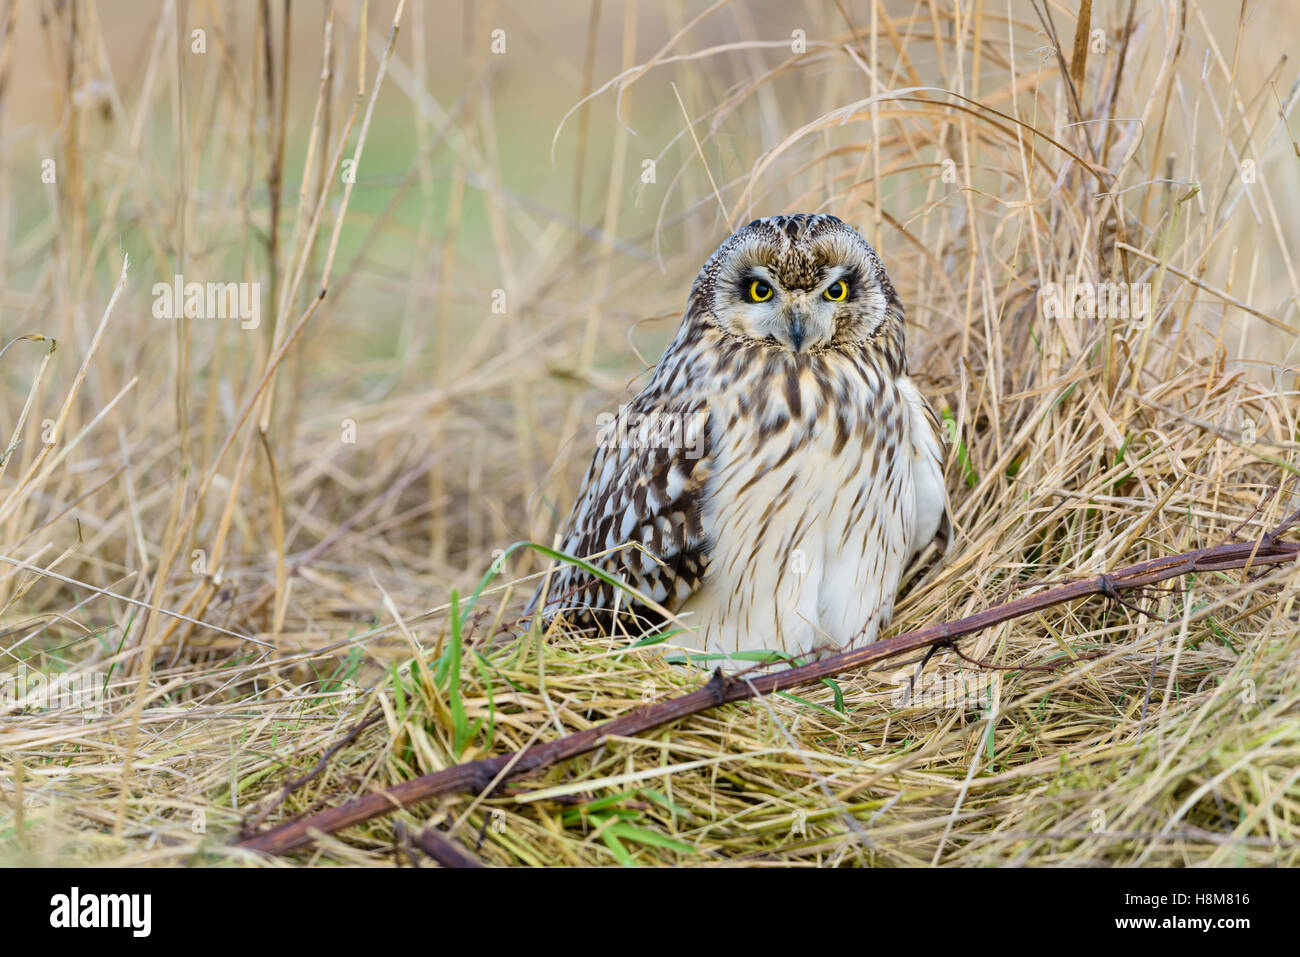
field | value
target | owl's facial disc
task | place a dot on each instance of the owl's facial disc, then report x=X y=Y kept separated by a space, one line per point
x=801 y=283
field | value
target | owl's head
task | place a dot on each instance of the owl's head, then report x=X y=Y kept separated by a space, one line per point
x=804 y=282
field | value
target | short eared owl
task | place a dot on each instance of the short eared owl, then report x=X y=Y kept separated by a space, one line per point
x=780 y=470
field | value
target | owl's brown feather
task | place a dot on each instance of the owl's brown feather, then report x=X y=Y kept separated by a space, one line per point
x=645 y=496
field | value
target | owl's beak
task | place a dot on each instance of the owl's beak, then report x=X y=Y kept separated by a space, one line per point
x=798 y=325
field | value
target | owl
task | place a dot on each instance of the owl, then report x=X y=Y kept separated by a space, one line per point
x=779 y=472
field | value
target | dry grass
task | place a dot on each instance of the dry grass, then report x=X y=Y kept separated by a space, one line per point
x=184 y=521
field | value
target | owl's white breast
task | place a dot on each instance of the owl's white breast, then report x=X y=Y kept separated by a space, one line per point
x=812 y=521
x=930 y=493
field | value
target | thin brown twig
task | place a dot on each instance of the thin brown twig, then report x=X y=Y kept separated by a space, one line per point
x=1255 y=511
x=444 y=850
x=1051 y=666
x=291 y=786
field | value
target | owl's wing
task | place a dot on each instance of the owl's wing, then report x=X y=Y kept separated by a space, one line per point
x=638 y=516
x=934 y=511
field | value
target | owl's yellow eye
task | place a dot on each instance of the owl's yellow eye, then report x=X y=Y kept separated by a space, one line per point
x=760 y=291
x=837 y=291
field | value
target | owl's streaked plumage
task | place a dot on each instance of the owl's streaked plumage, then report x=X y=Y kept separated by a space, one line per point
x=780 y=470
